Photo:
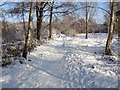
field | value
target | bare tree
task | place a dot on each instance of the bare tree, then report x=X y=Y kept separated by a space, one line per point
x=23 y=17
x=27 y=41
x=86 y=20
x=50 y=22
x=39 y=13
x=111 y=30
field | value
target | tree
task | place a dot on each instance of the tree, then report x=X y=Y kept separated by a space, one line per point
x=89 y=12
x=86 y=20
x=39 y=14
x=118 y=19
x=111 y=30
x=111 y=25
x=50 y=22
x=23 y=17
x=27 y=41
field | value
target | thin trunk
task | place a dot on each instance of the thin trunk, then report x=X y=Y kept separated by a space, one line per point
x=37 y=15
x=28 y=37
x=119 y=28
x=39 y=21
x=4 y=25
x=111 y=31
x=23 y=17
x=50 y=22
x=86 y=21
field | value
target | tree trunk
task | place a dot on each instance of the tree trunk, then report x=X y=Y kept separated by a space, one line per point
x=37 y=15
x=50 y=22
x=39 y=20
x=111 y=31
x=23 y=17
x=86 y=21
x=27 y=41
x=119 y=28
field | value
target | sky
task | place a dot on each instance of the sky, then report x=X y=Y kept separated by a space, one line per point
x=99 y=17
x=100 y=13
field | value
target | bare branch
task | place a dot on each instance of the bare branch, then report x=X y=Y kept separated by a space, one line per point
x=3 y=4
x=62 y=12
x=100 y=8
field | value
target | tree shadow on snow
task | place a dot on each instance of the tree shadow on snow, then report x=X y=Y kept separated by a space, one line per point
x=52 y=68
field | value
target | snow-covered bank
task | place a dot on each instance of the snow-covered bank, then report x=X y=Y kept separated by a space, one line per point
x=65 y=62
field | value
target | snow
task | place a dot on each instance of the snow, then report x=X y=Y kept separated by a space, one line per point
x=65 y=62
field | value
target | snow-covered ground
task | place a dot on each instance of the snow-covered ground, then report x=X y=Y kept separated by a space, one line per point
x=65 y=62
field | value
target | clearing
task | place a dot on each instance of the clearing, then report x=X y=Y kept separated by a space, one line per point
x=65 y=62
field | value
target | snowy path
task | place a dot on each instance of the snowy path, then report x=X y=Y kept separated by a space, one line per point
x=65 y=62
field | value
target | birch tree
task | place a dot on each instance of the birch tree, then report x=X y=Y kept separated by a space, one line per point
x=28 y=37
x=111 y=29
